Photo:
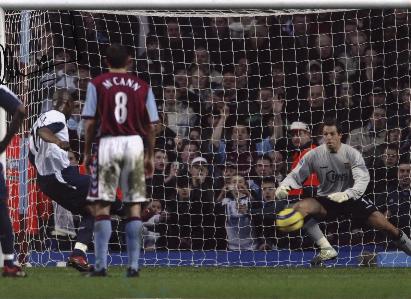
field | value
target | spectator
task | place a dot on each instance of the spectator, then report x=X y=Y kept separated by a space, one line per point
x=240 y=233
x=405 y=106
x=398 y=201
x=150 y=231
x=356 y=43
x=367 y=139
x=165 y=137
x=301 y=143
x=180 y=117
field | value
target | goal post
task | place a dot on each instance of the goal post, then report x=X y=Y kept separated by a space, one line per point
x=259 y=54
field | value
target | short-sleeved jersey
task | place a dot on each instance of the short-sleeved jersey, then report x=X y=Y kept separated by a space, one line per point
x=344 y=171
x=122 y=103
x=8 y=100
x=49 y=158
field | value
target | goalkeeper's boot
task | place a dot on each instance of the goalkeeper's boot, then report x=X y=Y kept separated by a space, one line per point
x=326 y=254
x=13 y=271
x=132 y=272
x=79 y=263
x=403 y=243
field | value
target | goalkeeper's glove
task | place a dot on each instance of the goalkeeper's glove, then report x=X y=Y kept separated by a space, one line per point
x=282 y=192
x=338 y=197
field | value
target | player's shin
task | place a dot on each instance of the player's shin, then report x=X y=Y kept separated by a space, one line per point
x=133 y=238
x=102 y=234
x=6 y=234
x=315 y=233
x=85 y=235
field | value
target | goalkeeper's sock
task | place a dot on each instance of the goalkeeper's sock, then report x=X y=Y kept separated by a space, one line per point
x=102 y=233
x=315 y=233
x=133 y=238
x=85 y=233
x=6 y=232
x=80 y=249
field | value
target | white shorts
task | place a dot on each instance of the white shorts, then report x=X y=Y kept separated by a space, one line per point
x=119 y=163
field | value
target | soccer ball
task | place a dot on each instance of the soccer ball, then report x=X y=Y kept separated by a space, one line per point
x=289 y=220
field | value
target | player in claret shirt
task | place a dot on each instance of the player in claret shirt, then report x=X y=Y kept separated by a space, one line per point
x=124 y=108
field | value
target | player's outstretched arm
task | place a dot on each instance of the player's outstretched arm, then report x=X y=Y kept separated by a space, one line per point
x=16 y=122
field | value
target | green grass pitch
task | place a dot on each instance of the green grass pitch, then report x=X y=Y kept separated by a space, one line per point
x=207 y=282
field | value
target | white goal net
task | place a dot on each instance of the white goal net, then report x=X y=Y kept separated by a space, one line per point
x=241 y=95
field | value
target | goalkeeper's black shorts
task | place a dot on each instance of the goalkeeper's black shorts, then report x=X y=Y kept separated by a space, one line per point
x=359 y=209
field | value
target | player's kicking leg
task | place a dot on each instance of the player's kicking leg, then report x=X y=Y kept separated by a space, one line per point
x=399 y=238
x=310 y=206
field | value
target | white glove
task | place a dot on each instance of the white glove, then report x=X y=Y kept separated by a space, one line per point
x=338 y=197
x=282 y=192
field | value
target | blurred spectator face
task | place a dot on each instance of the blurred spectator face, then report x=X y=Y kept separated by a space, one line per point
x=345 y=98
x=155 y=206
x=72 y=158
x=300 y=23
x=160 y=161
x=268 y=189
x=229 y=171
x=390 y=157
x=278 y=75
x=314 y=74
x=229 y=81
x=46 y=42
x=198 y=169
x=83 y=78
x=190 y=151
x=220 y=26
x=390 y=33
x=240 y=135
x=199 y=80
x=316 y=96
x=183 y=193
x=173 y=30
x=266 y=100
x=299 y=138
x=195 y=135
x=376 y=99
x=337 y=75
x=169 y=94
x=371 y=58
x=324 y=46
x=406 y=97
x=378 y=118
x=182 y=79
x=394 y=135
x=404 y=172
x=201 y=56
x=153 y=50
x=263 y=168
x=358 y=43
x=258 y=36
x=237 y=183
x=241 y=68
x=278 y=161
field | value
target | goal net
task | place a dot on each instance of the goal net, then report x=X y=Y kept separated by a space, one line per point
x=241 y=96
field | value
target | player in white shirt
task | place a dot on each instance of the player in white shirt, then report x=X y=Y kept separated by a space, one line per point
x=343 y=180
x=49 y=145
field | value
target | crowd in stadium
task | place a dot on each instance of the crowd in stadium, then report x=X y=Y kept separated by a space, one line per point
x=241 y=100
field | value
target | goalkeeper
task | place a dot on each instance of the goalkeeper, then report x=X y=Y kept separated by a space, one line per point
x=49 y=145
x=343 y=180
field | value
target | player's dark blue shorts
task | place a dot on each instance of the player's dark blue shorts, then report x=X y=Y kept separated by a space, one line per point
x=69 y=198
x=3 y=187
x=359 y=209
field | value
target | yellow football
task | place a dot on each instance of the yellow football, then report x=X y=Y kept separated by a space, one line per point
x=289 y=220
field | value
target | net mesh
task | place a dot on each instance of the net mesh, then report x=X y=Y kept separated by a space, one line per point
x=228 y=85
